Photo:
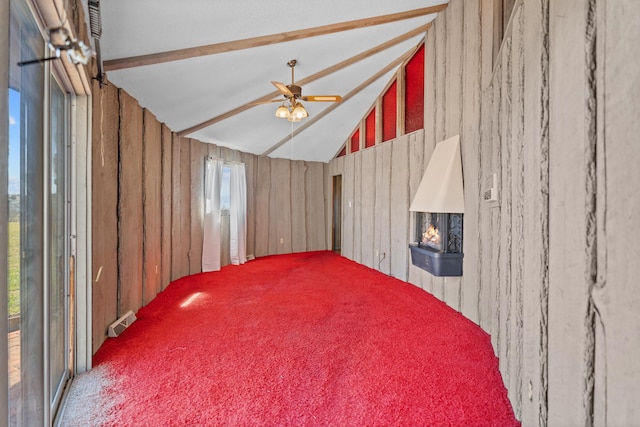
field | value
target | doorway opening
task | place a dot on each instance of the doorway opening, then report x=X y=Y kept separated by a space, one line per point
x=336 y=228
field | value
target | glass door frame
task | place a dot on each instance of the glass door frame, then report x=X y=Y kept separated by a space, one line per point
x=4 y=201
x=55 y=76
x=77 y=83
x=42 y=173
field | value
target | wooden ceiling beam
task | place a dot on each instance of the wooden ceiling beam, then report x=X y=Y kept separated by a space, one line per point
x=323 y=73
x=345 y=98
x=212 y=49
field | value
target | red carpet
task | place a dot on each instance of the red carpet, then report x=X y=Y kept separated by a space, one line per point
x=302 y=339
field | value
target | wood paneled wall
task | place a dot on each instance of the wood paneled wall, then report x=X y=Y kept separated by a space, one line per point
x=550 y=270
x=151 y=207
x=376 y=190
x=130 y=205
x=104 y=210
x=594 y=202
x=147 y=206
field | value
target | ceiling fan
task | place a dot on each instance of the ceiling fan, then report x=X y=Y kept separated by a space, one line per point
x=292 y=109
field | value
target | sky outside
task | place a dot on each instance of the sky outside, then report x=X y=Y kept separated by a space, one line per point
x=14 y=142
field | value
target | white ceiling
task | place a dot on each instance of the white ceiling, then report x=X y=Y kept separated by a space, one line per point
x=184 y=93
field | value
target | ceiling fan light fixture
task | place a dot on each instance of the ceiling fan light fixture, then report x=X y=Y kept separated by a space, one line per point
x=283 y=112
x=292 y=109
x=299 y=111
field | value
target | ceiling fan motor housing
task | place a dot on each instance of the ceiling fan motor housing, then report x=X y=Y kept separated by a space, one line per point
x=295 y=90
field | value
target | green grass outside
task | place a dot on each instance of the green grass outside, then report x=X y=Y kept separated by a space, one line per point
x=14 y=268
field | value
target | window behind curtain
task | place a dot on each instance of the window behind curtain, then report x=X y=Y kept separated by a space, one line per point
x=225 y=189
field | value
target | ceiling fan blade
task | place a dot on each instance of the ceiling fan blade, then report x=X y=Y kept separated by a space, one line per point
x=267 y=102
x=282 y=88
x=322 y=98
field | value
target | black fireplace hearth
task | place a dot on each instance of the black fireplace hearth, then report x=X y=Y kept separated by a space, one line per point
x=439 y=243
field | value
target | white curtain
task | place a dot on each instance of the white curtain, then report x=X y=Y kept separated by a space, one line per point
x=238 y=215
x=211 y=238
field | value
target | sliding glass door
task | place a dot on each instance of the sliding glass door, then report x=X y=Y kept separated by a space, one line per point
x=37 y=277
x=26 y=235
x=58 y=207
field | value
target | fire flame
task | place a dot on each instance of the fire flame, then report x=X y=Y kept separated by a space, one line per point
x=432 y=235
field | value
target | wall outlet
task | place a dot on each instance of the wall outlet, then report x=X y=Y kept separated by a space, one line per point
x=281 y=240
x=490 y=190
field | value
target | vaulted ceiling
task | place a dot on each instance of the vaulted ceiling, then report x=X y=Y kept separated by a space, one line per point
x=200 y=66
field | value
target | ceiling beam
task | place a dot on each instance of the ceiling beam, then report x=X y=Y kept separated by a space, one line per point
x=345 y=98
x=323 y=73
x=212 y=49
x=229 y=113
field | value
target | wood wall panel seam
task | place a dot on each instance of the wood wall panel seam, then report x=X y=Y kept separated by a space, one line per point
x=507 y=214
x=517 y=228
x=143 y=177
x=119 y=207
x=591 y=185
x=495 y=214
x=544 y=184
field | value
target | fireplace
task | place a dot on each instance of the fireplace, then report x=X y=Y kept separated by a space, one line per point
x=439 y=206
x=438 y=243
